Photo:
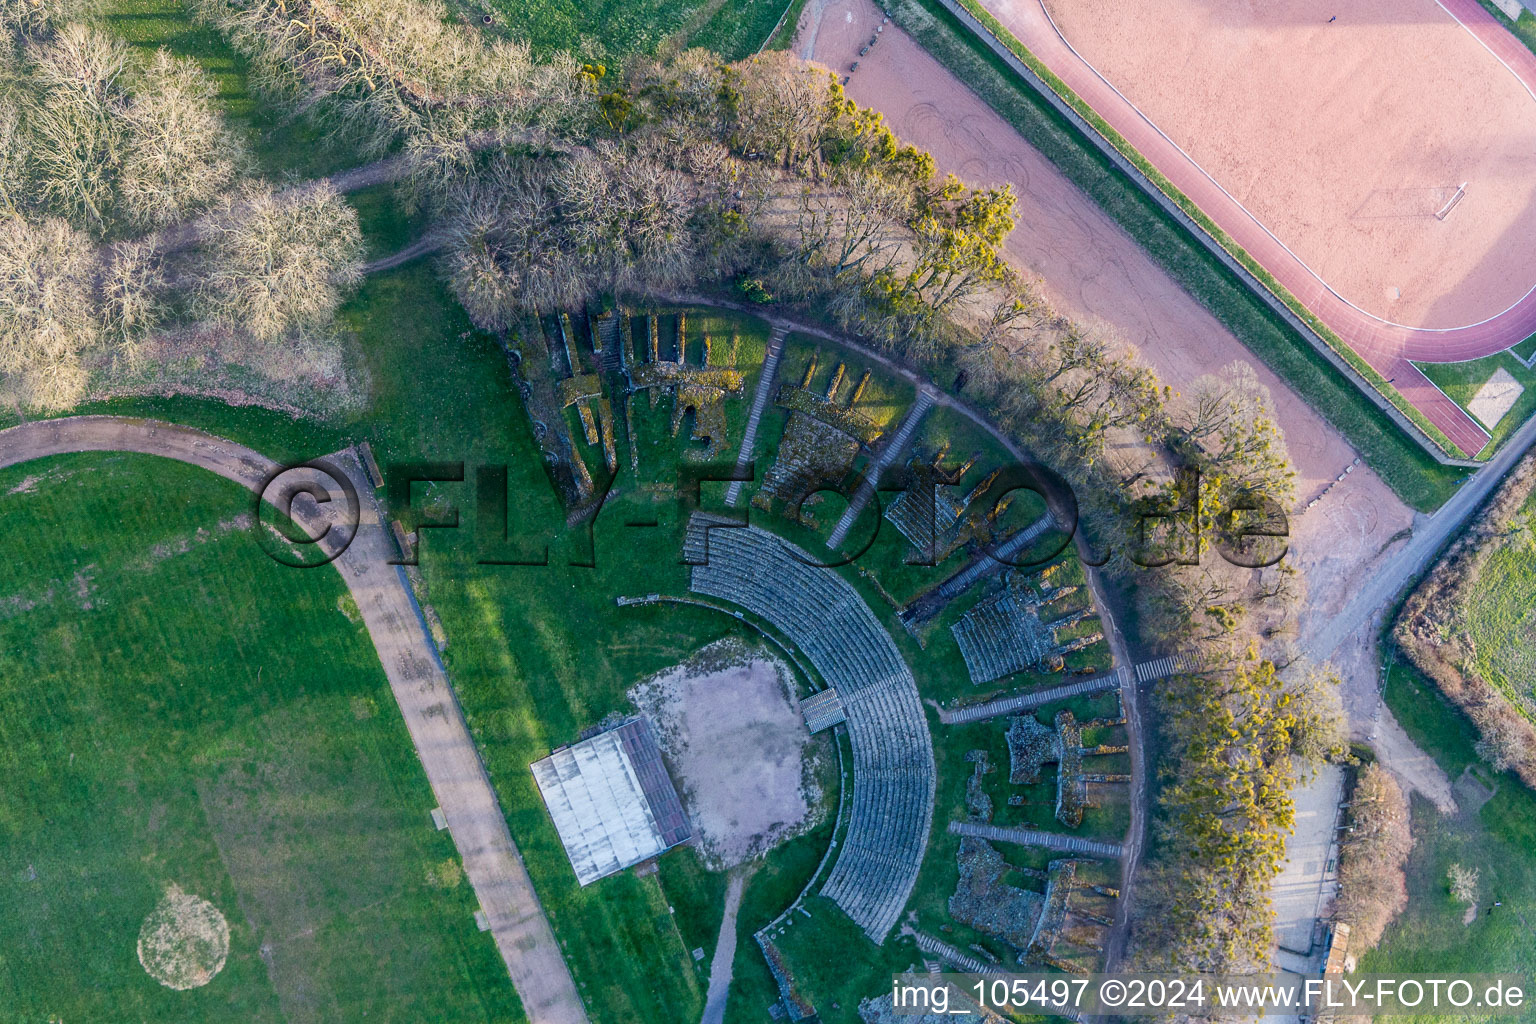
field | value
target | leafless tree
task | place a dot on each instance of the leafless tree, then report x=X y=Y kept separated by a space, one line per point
x=73 y=120
x=31 y=19
x=275 y=265
x=179 y=155
x=131 y=294
x=47 y=318
x=1372 y=888
x=782 y=107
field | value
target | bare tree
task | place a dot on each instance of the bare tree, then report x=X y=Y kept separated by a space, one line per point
x=1463 y=883
x=782 y=107
x=31 y=19
x=131 y=302
x=511 y=250
x=178 y=155
x=1372 y=888
x=47 y=319
x=274 y=265
x=1228 y=416
x=72 y=117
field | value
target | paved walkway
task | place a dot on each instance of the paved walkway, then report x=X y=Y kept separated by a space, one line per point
x=1421 y=550
x=1387 y=347
x=1308 y=876
x=426 y=699
x=1145 y=672
x=725 y=949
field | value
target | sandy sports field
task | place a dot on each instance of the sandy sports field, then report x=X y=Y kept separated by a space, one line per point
x=1347 y=139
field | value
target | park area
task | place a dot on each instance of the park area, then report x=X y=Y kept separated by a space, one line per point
x=213 y=810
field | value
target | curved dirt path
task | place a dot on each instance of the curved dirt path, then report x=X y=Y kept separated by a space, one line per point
x=416 y=677
x=1387 y=347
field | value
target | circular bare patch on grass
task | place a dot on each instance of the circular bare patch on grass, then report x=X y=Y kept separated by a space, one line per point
x=184 y=941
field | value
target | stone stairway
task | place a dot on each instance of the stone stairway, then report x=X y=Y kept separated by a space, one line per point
x=889 y=453
x=759 y=403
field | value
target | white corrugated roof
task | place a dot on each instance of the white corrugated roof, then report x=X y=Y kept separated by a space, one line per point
x=598 y=807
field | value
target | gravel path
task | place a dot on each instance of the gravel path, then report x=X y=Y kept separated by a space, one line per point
x=416 y=676
x=725 y=950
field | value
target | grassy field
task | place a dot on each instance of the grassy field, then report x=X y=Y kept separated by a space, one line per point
x=612 y=30
x=1501 y=618
x=1498 y=840
x=1408 y=469
x=1461 y=381
x=176 y=708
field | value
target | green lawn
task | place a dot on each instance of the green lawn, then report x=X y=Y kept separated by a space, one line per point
x=1461 y=381
x=1499 y=840
x=611 y=30
x=1501 y=617
x=1409 y=470
x=537 y=655
x=176 y=708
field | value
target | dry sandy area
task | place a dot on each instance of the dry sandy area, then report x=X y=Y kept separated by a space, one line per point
x=1091 y=270
x=731 y=731
x=1343 y=139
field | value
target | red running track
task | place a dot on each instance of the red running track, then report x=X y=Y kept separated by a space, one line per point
x=1385 y=346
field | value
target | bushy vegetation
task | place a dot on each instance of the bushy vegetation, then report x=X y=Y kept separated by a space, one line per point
x=1236 y=742
x=1372 y=888
x=102 y=146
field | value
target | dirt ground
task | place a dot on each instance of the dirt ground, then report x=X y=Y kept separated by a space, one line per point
x=184 y=941
x=729 y=726
x=1091 y=270
x=1385 y=112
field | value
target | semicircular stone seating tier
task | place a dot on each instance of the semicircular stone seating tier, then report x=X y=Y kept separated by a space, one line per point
x=893 y=770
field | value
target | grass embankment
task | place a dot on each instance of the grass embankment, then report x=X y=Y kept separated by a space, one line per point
x=611 y=30
x=1412 y=472
x=1501 y=618
x=1498 y=840
x=1461 y=381
x=175 y=707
